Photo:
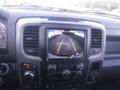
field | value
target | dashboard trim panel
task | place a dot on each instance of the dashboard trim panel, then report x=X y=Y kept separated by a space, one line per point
x=19 y=35
x=22 y=57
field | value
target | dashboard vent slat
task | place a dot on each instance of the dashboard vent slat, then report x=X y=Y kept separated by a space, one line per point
x=31 y=40
x=96 y=38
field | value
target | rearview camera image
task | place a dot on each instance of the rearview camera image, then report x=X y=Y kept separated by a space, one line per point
x=65 y=42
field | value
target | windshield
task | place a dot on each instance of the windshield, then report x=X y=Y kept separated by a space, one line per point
x=106 y=6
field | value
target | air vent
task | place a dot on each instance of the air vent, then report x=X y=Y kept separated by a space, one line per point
x=96 y=38
x=31 y=40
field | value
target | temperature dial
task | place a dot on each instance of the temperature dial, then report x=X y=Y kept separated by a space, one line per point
x=51 y=68
x=4 y=68
x=29 y=76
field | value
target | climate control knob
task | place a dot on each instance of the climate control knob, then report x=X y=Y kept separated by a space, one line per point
x=66 y=74
x=4 y=68
x=51 y=68
x=29 y=76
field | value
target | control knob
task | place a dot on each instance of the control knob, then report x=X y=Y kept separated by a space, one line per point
x=66 y=74
x=4 y=68
x=29 y=76
x=51 y=68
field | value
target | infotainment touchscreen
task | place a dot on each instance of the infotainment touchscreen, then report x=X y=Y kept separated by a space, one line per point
x=65 y=43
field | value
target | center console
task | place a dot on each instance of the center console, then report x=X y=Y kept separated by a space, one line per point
x=58 y=54
x=65 y=56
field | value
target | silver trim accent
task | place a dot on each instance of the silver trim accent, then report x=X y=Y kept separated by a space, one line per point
x=19 y=36
x=29 y=73
x=102 y=53
x=37 y=21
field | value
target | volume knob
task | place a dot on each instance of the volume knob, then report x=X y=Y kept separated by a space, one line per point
x=66 y=74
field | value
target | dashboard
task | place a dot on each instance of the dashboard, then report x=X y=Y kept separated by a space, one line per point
x=50 y=49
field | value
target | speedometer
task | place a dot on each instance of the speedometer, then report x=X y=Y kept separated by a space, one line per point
x=65 y=43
